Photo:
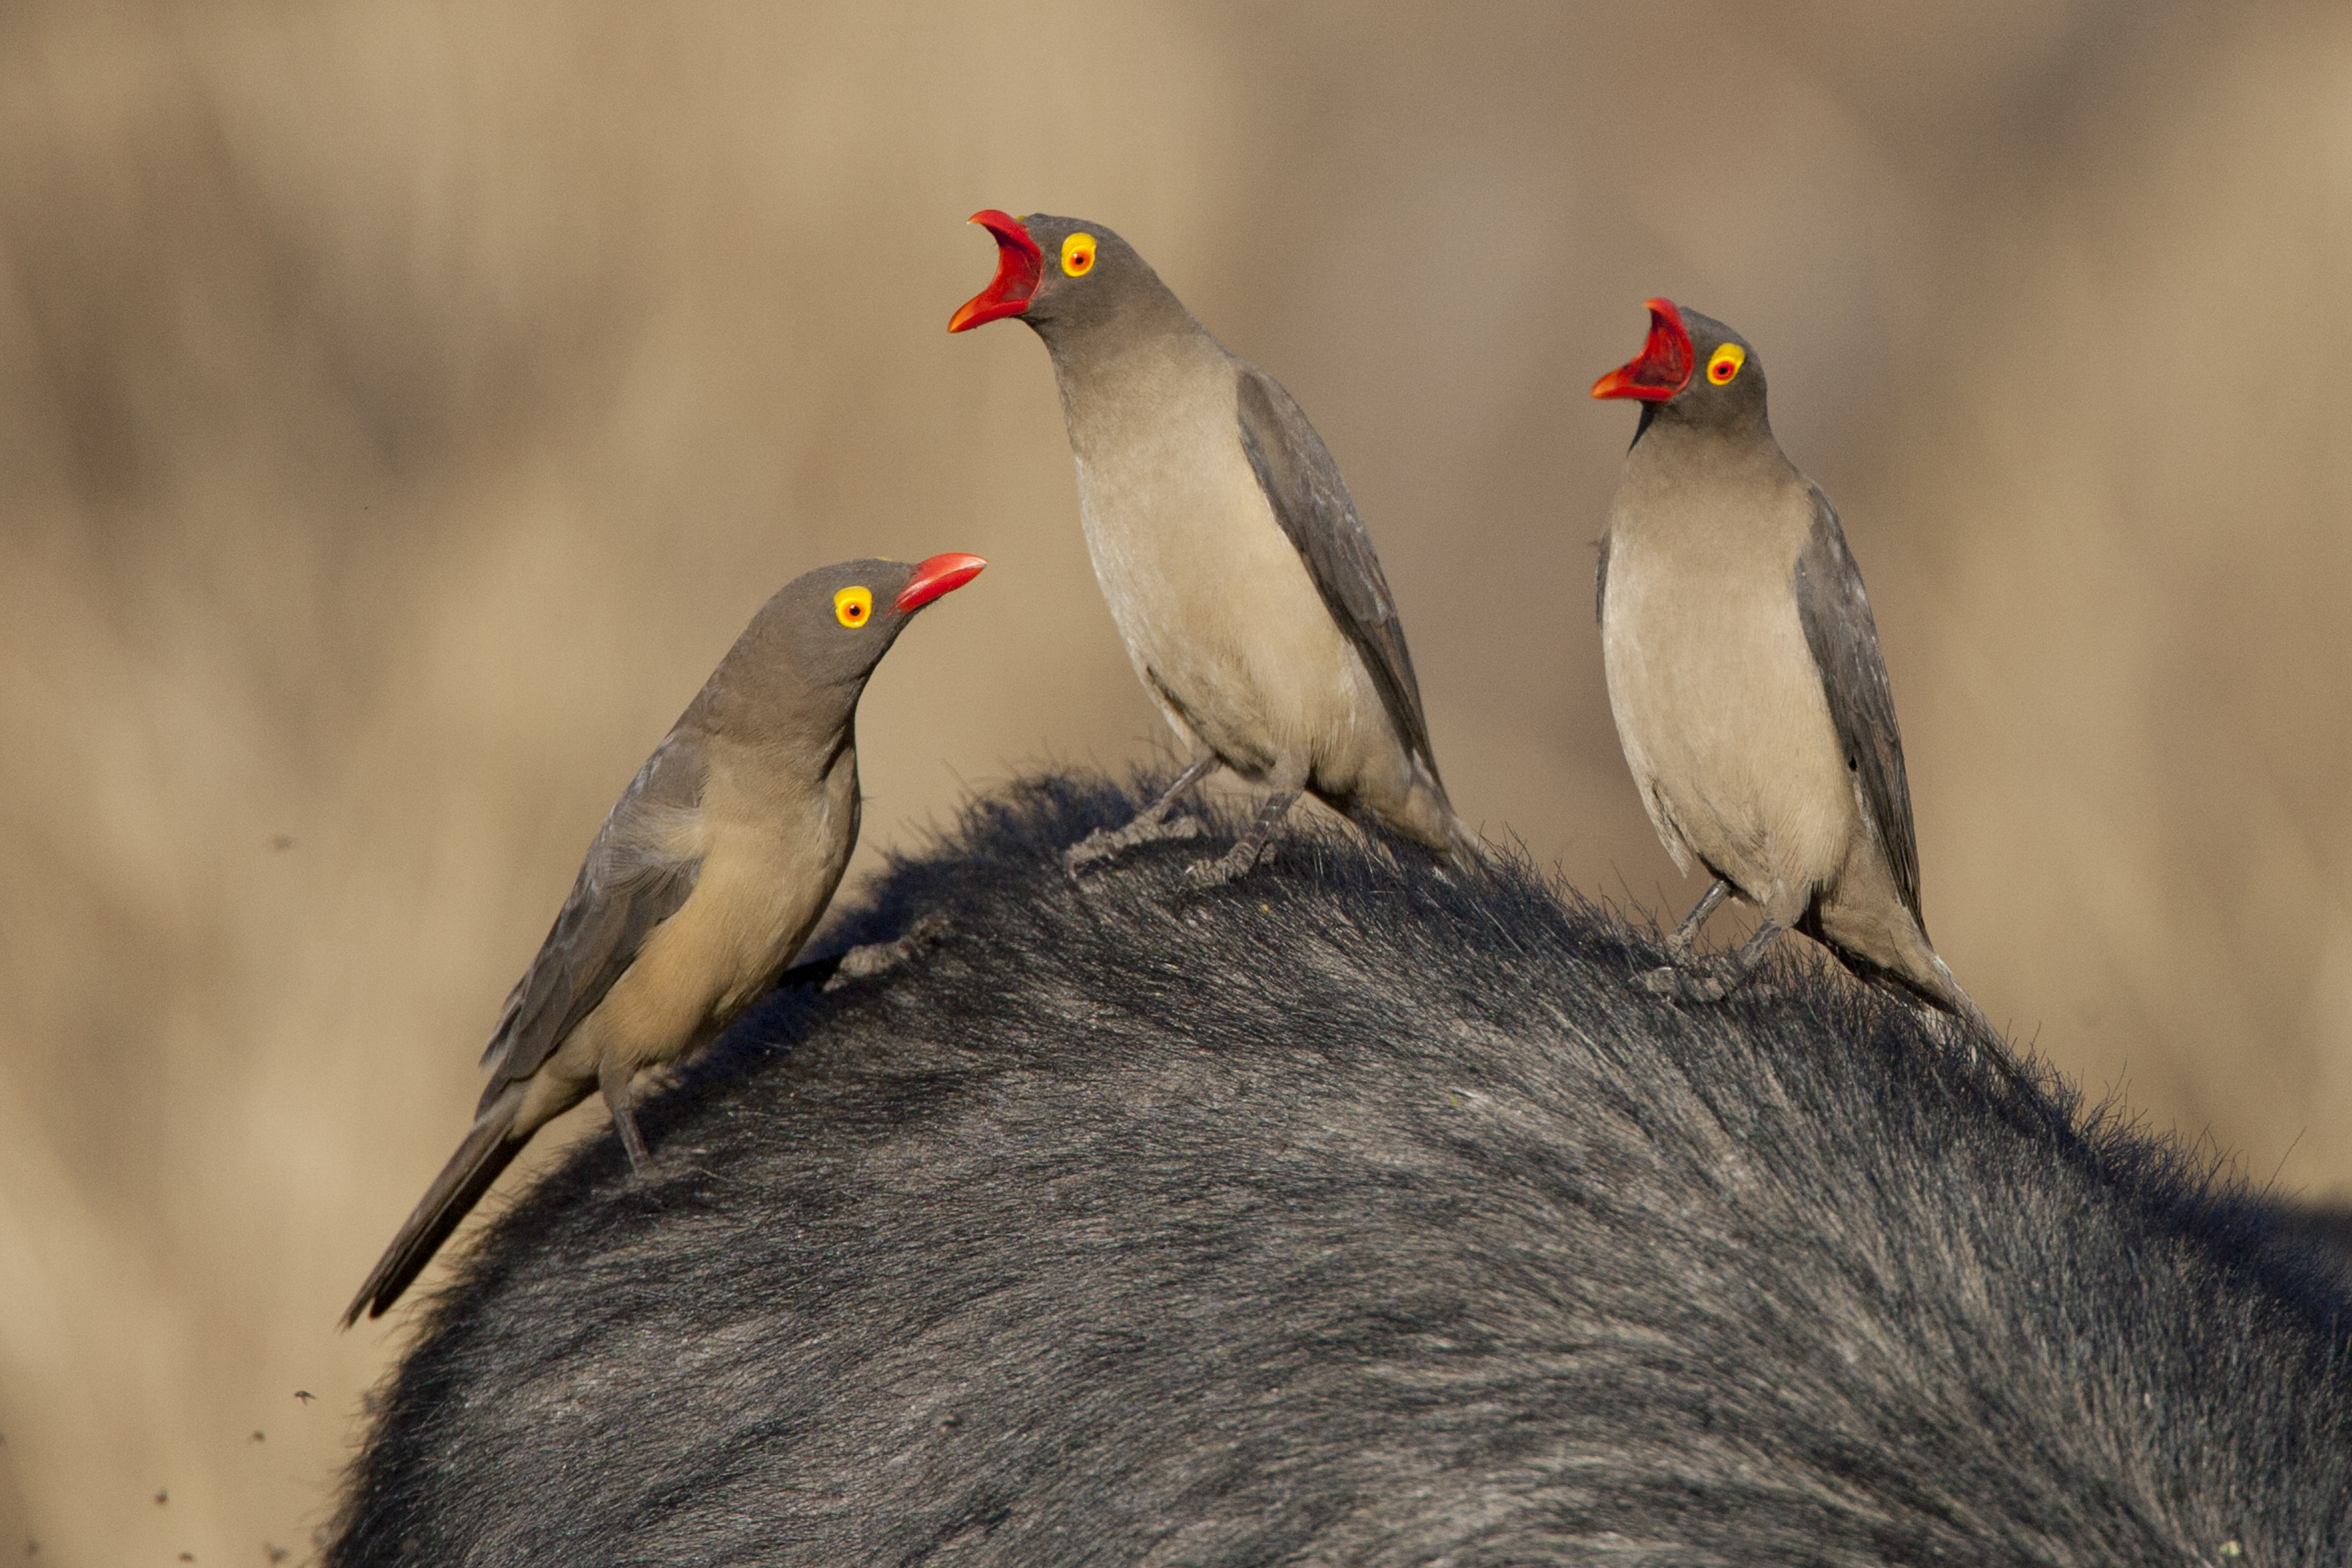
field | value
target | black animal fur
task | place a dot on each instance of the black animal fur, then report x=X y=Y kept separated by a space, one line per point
x=1355 y=1212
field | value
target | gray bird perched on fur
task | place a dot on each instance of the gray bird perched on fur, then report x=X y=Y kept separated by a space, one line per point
x=1241 y=578
x=703 y=882
x=1744 y=674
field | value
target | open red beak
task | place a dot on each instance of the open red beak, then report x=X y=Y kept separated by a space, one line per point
x=1665 y=362
x=1019 y=263
x=940 y=575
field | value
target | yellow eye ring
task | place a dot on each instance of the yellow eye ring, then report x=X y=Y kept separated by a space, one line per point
x=1725 y=362
x=852 y=605
x=1078 y=254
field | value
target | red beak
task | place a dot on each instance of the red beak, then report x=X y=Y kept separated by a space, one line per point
x=1019 y=264
x=940 y=575
x=1665 y=362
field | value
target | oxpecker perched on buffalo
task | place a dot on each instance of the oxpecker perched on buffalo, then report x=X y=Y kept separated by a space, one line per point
x=1241 y=578
x=711 y=870
x=1745 y=675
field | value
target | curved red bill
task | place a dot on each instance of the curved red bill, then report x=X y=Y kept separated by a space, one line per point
x=940 y=575
x=1665 y=365
x=1019 y=264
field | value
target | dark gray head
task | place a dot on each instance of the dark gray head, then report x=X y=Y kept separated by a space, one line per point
x=1692 y=370
x=1066 y=277
x=803 y=662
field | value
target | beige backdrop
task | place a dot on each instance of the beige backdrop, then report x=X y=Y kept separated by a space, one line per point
x=402 y=406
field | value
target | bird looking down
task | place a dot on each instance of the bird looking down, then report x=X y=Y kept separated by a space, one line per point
x=704 y=879
x=1744 y=674
x=1236 y=567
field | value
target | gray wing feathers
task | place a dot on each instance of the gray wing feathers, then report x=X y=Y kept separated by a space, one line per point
x=626 y=887
x=1600 y=583
x=1311 y=502
x=1843 y=638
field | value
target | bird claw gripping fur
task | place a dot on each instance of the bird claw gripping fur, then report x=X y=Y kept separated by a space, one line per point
x=873 y=958
x=1108 y=843
x=1691 y=978
x=1678 y=983
x=1231 y=866
x=1703 y=980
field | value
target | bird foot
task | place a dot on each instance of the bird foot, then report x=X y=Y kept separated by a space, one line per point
x=1679 y=983
x=1108 y=843
x=873 y=958
x=1233 y=864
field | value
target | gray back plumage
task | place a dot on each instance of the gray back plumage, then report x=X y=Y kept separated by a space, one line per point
x=1843 y=638
x=626 y=887
x=1311 y=502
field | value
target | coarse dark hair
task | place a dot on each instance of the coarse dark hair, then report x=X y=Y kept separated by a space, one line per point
x=1360 y=1211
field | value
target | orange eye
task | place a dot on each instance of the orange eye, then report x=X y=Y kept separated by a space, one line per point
x=1725 y=362
x=1078 y=255
x=852 y=605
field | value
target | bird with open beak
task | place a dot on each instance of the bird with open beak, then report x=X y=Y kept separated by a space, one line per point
x=1236 y=569
x=1745 y=675
x=709 y=873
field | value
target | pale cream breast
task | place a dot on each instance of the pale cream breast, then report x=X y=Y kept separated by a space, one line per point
x=774 y=850
x=1219 y=613
x=1718 y=701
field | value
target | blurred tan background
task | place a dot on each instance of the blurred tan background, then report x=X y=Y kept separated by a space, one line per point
x=402 y=406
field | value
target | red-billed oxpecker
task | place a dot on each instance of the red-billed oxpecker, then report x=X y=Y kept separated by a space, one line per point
x=701 y=885
x=1239 y=574
x=1745 y=675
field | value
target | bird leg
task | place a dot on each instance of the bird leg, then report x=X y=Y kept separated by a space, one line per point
x=1148 y=826
x=1679 y=944
x=1677 y=980
x=614 y=1077
x=1237 y=861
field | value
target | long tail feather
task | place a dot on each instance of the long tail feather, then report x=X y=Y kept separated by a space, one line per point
x=486 y=1150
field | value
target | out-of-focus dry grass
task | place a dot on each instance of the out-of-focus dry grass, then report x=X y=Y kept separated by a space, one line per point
x=401 y=407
